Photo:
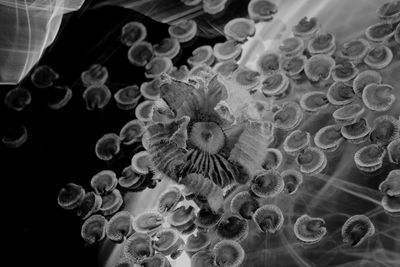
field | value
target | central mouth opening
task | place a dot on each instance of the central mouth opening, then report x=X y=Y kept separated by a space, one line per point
x=207 y=136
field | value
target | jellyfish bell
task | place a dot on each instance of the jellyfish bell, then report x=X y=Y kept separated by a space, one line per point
x=357 y=229
x=95 y=75
x=348 y=114
x=226 y=68
x=197 y=242
x=262 y=10
x=391 y=185
x=268 y=62
x=233 y=228
x=138 y=247
x=344 y=71
x=202 y=55
x=244 y=204
x=104 y=182
x=322 y=43
x=180 y=73
x=379 y=32
x=314 y=101
x=311 y=161
x=268 y=218
x=119 y=226
x=202 y=258
x=292 y=180
x=355 y=50
x=379 y=57
x=43 y=76
x=141 y=162
x=389 y=12
x=127 y=97
x=391 y=204
x=247 y=79
x=273 y=159
x=214 y=6
x=296 y=141
x=145 y=110
x=89 y=204
x=207 y=218
x=107 y=146
x=94 y=229
x=385 y=129
x=393 y=150
x=165 y=239
x=96 y=96
x=132 y=132
x=151 y=89
x=378 y=97
x=268 y=183
x=309 y=230
x=276 y=85
x=70 y=196
x=140 y=53
x=58 y=97
x=167 y=47
x=306 y=28
x=130 y=180
x=111 y=202
x=329 y=138
x=156 y=66
x=228 y=253
x=357 y=132
x=132 y=33
x=148 y=221
x=157 y=260
x=15 y=136
x=288 y=117
x=340 y=94
x=363 y=79
x=294 y=66
x=239 y=29
x=228 y=50
x=18 y=98
x=184 y=31
x=319 y=67
x=369 y=158
x=292 y=46
x=169 y=199
x=182 y=216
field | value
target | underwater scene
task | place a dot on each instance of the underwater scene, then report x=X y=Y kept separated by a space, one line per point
x=200 y=133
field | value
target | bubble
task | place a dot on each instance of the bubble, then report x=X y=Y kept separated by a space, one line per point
x=70 y=196
x=357 y=229
x=226 y=68
x=203 y=258
x=228 y=50
x=393 y=149
x=95 y=75
x=168 y=47
x=379 y=32
x=391 y=185
x=18 y=98
x=378 y=97
x=344 y=71
x=96 y=97
x=90 y=204
x=246 y=78
x=268 y=62
x=391 y=204
x=294 y=66
x=340 y=94
x=58 y=97
x=276 y=84
x=214 y=6
x=107 y=146
x=239 y=29
x=268 y=218
x=119 y=226
x=348 y=114
x=273 y=159
x=169 y=199
x=369 y=158
x=197 y=242
x=156 y=66
x=228 y=253
x=329 y=138
x=311 y=160
x=184 y=31
x=94 y=229
x=141 y=162
x=148 y=221
x=288 y=116
x=111 y=202
x=43 y=76
x=309 y=230
x=244 y=204
x=104 y=182
x=165 y=239
x=319 y=67
x=322 y=43
x=138 y=247
x=296 y=141
x=385 y=129
x=389 y=12
x=15 y=136
x=357 y=132
x=292 y=46
x=314 y=101
x=207 y=218
x=132 y=33
x=355 y=50
x=127 y=97
x=140 y=53
x=268 y=183
x=365 y=78
x=180 y=73
x=233 y=228
x=379 y=57
x=144 y=111
x=292 y=180
x=306 y=28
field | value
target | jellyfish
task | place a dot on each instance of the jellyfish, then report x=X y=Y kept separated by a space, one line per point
x=369 y=158
x=132 y=33
x=379 y=32
x=239 y=29
x=322 y=43
x=201 y=55
x=15 y=136
x=145 y=110
x=18 y=98
x=151 y=90
x=141 y=163
x=365 y=78
x=207 y=218
x=378 y=97
x=197 y=242
x=43 y=76
x=268 y=62
x=294 y=66
x=311 y=160
x=226 y=68
x=357 y=229
x=132 y=132
x=127 y=97
x=276 y=85
x=119 y=227
x=156 y=66
x=391 y=185
x=268 y=218
x=391 y=204
x=288 y=116
x=202 y=258
x=70 y=196
x=267 y=184
x=148 y=221
x=233 y=228
x=344 y=71
x=94 y=229
x=355 y=50
x=246 y=78
x=165 y=239
x=96 y=96
x=140 y=53
x=329 y=138
x=169 y=199
x=95 y=75
x=58 y=97
x=228 y=50
x=180 y=73
x=393 y=150
x=379 y=57
x=138 y=247
x=306 y=28
x=168 y=47
x=184 y=31
x=244 y=204
x=314 y=101
x=389 y=12
x=228 y=253
x=319 y=67
x=107 y=146
x=296 y=141
x=357 y=132
x=309 y=229
x=348 y=114
x=104 y=182
x=111 y=202
x=273 y=159
x=340 y=94
x=214 y=6
x=292 y=46
x=385 y=129
x=130 y=180
x=89 y=205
